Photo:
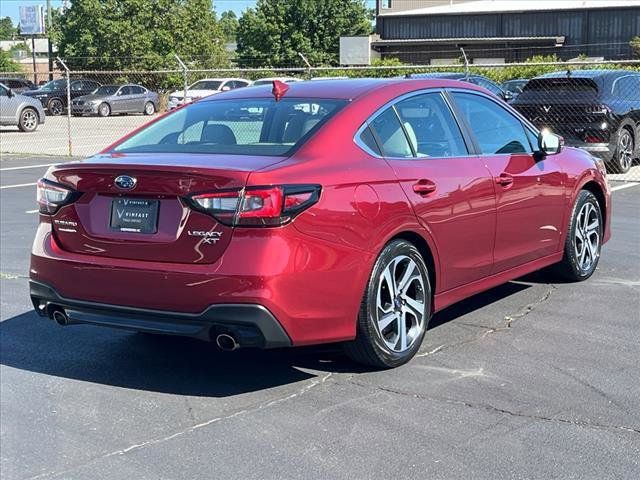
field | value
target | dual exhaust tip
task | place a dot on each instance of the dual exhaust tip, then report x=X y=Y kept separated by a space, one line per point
x=224 y=341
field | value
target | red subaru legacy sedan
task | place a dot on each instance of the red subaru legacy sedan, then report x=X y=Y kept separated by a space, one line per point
x=333 y=211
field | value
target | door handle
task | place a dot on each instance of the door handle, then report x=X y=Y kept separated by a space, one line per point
x=504 y=179
x=424 y=187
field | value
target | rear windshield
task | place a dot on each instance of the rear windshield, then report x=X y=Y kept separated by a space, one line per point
x=248 y=126
x=582 y=85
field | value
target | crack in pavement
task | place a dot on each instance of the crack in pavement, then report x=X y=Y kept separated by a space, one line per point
x=491 y=408
x=185 y=431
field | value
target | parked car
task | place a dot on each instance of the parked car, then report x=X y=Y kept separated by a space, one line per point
x=597 y=110
x=110 y=99
x=53 y=94
x=514 y=86
x=18 y=85
x=20 y=110
x=204 y=88
x=484 y=82
x=351 y=221
x=270 y=80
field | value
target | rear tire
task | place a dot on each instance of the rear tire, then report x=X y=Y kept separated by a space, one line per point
x=104 y=110
x=395 y=309
x=28 y=121
x=584 y=240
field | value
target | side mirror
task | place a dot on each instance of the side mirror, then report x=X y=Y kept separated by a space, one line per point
x=10 y=93
x=507 y=96
x=549 y=143
x=226 y=88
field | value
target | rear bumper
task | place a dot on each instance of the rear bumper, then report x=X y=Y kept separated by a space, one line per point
x=251 y=325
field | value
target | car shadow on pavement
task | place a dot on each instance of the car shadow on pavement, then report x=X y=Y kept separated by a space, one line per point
x=177 y=365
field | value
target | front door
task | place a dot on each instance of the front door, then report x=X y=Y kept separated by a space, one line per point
x=530 y=188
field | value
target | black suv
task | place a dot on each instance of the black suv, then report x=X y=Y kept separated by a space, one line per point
x=597 y=110
x=480 y=80
x=53 y=94
x=18 y=85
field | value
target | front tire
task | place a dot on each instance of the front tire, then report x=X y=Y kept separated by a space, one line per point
x=149 y=108
x=28 y=121
x=104 y=110
x=395 y=309
x=55 y=107
x=623 y=156
x=584 y=239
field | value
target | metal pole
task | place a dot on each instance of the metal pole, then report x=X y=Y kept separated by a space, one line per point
x=66 y=69
x=33 y=58
x=49 y=45
x=184 y=74
x=304 y=59
x=466 y=64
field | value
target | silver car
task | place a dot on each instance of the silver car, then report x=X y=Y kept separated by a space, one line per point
x=109 y=99
x=25 y=112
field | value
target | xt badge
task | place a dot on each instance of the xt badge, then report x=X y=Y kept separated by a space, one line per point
x=208 y=238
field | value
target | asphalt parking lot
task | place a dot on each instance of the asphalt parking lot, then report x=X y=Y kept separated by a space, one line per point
x=529 y=380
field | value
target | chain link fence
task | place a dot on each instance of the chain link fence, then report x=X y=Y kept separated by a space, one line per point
x=593 y=106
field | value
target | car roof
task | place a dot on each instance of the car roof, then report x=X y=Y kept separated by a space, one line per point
x=587 y=73
x=340 y=89
x=221 y=79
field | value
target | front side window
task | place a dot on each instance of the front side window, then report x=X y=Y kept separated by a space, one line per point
x=3 y=91
x=248 y=126
x=496 y=130
x=431 y=127
x=390 y=134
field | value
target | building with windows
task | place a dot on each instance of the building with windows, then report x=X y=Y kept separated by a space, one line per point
x=496 y=31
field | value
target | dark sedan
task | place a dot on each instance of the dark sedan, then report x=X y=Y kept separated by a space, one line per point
x=479 y=80
x=53 y=94
x=597 y=110
x=110 y=99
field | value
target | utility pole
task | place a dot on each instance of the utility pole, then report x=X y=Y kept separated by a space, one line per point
x=49 y=46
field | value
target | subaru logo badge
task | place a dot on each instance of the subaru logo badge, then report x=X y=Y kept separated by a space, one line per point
x=125 y=182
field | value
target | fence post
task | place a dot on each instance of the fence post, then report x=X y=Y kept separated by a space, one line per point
x=466 y=63
x=184 y=74
x=309 y=67
x=66 y=69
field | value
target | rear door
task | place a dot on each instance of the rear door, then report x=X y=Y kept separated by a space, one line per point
x=530 y=190
x=450 y=190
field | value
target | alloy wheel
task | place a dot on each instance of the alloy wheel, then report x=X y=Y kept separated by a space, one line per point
x=587 y=237
x=625 y=150
x=29 y=120
x=55 y=107
x=400 y=304
x=149 y=108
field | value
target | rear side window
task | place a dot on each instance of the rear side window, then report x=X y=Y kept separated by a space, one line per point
x=391 y=136
x=496 y=130
x=249 y=126
x=431 y=127
x=135 y=90
x=627 y=87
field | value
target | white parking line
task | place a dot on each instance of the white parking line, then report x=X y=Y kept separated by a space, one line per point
x=622 y=187
x=18 y=186
x=28 y=166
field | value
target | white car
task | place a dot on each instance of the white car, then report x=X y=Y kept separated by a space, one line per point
x=270 y=80
x=204 y=88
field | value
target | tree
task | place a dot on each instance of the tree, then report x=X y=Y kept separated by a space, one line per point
x=140 y=34
x=635 y=46
x=7 y=30
x=7 y=64
x=229 y=25
x=276 y=30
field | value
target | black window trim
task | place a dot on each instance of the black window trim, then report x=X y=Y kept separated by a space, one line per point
x=526 y=124
x=467 y=138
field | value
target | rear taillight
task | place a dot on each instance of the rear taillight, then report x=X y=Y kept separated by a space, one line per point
x=51 y=196
x=257 y=206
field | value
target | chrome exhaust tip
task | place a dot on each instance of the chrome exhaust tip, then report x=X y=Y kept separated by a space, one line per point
x=227 y=342
x=60 y=317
